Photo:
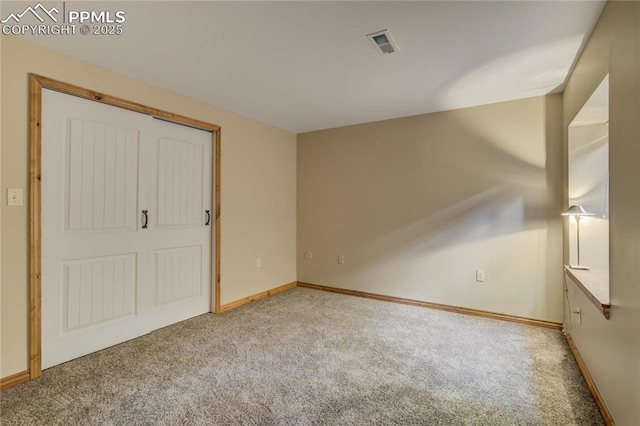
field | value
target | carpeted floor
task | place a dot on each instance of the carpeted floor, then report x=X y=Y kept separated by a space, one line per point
x=306 y=357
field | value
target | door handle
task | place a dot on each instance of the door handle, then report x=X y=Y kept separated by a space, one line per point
x=145 y=219
x=208 y=219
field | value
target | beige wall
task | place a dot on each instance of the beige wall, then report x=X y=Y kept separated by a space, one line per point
x=258 y=185
x=417 y=204
x=611 y=349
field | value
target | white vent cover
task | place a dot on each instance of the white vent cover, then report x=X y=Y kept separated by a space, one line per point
x=383 y=42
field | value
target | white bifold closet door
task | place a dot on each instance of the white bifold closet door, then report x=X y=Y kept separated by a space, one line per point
x=127 y=225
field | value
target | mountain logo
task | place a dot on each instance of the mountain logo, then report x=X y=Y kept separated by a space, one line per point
x=43 y=11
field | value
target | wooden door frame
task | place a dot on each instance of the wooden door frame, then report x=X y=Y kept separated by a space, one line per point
x=36 y=84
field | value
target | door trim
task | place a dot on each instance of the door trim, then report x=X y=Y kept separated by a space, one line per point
x=36 y=84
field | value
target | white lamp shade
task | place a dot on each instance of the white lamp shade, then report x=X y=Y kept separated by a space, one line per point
x=576 y=210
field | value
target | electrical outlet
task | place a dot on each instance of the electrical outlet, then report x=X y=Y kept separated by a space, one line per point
x=480 y=275
x=578 y=312
x=14 y=197
x=258 y=262
x=341 y=259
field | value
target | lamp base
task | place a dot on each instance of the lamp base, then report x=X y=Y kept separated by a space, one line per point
x=580 y=267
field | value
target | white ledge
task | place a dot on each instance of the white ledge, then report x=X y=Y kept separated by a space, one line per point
x=594 y=283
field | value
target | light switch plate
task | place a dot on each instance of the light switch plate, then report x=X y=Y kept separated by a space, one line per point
x=15 y=197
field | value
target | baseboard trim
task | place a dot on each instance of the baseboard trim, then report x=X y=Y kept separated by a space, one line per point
x=258 y=296
x=14 y=380
x=439 y=306
x=606 y=415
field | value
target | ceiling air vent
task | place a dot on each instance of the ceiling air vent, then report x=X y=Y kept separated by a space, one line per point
x=383 y=42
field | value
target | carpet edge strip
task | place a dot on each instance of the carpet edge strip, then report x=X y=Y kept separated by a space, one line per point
x=438 y=306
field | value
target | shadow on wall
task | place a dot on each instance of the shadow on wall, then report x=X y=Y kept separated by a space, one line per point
x=405 y=197
x=496 y=192
x=496 y=211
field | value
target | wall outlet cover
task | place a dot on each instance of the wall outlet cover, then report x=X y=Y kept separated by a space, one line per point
x=15 y=197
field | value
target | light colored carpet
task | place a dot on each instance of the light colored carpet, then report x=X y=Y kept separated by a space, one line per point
x=305 y=357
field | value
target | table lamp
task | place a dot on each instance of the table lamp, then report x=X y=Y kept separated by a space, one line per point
x=577 y=211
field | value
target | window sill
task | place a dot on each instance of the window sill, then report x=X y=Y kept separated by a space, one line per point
x=595 y=285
